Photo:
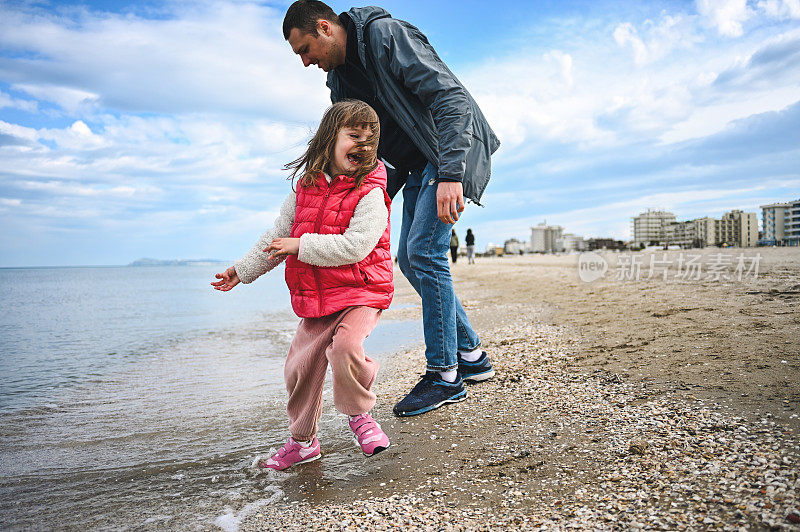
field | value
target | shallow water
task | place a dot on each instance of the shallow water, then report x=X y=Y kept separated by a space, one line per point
x=139 y=396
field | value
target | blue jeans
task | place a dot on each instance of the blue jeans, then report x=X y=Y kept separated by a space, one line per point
x=422 y=257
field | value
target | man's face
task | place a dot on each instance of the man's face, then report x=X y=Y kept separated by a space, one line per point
x=321 y=49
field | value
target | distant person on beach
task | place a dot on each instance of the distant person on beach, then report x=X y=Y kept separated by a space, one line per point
x=454 y=246
x=470 y=239
x=333 y=231
x=439 y=146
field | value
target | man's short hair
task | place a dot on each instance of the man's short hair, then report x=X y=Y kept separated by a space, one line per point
x=304 y=15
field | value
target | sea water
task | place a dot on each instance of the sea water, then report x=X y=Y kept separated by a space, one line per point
x=138 y=396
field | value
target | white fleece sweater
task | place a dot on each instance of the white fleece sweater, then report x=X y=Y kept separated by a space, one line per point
x=369 y=221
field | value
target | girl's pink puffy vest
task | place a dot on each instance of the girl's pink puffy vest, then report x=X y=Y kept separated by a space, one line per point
x=326 y=209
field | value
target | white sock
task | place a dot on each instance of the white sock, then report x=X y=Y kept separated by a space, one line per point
x=305 y=443
x=449 y=376
x=471 y=356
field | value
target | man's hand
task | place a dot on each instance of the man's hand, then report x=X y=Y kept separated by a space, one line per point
x=284 y=246
x=449 y=201
x=229 y=279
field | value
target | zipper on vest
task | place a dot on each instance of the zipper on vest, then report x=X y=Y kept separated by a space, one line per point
x=317 y=228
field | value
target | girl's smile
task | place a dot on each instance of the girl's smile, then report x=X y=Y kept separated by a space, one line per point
x=348 y=154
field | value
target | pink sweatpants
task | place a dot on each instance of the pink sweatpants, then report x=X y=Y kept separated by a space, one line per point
x=336 y=339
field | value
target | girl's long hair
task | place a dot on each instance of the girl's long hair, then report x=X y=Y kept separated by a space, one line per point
x=317 y=158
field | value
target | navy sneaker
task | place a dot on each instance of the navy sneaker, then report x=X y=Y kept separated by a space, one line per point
x=430 y=393
x=477 y=371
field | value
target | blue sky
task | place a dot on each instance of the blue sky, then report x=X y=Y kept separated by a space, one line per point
x=158 y=129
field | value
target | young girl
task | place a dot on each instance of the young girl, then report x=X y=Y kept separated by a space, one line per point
x=333 y=232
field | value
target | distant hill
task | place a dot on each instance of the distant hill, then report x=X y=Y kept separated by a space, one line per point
x=173 y=262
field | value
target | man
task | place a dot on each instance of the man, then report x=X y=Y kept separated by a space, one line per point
x=438 y=145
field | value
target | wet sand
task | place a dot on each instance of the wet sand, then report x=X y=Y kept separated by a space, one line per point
x=657 y=403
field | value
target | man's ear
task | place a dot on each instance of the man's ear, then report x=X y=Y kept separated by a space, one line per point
x=324 y=27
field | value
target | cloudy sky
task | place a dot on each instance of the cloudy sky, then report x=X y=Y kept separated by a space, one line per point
x=158 y=129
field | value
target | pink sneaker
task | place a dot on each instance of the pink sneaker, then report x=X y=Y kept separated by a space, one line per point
x=368 y=434
x=290 y=454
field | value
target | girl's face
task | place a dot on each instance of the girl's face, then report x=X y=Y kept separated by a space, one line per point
x=347 y=155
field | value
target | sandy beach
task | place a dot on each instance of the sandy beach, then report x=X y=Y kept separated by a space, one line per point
x=659 y=403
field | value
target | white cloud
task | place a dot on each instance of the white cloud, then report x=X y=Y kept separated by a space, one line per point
x=657 y=39
x=77 y=137
x=183 y=150
x=8 y=101
x=780 y=9
x=625 y=34
x=77 y=189
x=710 y=119
x=726 y=16
x=71 y=100
x=564 y=62
x=206 y=57
x=543 y=98
x=594 y=96
x=58 y=213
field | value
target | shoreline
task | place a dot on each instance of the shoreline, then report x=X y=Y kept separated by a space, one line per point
x=579 y=428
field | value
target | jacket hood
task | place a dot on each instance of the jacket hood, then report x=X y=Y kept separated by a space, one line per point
x=362 y=17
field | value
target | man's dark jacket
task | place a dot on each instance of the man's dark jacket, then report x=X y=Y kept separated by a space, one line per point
x=425 y=99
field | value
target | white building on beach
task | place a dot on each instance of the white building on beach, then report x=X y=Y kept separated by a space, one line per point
x=737 y=228
x=792 y=224
x=649 y=226
x=544 y=237
x=781 y=224
x=569 y=243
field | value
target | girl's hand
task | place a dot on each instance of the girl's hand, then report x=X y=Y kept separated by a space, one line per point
x=229 y=279
x=284 y=246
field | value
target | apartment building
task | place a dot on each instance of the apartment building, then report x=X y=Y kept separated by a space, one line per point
x=773 y=218
x=569 y=242
x=737 y=228
x=780 y=224
x=791 y=224
x=705 y=231
x=683 y=234
x=697 y=233
x=649 y=226
x=544 y=237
